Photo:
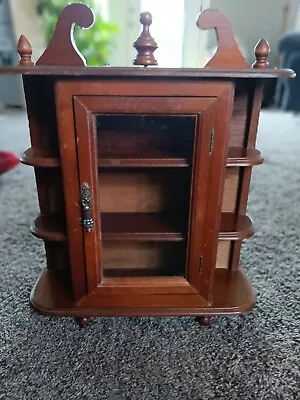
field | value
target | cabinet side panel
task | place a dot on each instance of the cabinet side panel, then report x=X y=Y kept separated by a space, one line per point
x=238 y=125
x=223 y=254
x=40 y=103
x=230 y=189
x=255 y=90
x=69 y=165
x=216 y=126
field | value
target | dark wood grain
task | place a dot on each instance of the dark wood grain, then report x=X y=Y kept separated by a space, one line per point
x=40 y=157
x=235 y=227
x=86 y=105
x=39 y=95
x=159 y=73
x=50 y=227
x=255 y=89
x=141 y=159
x=82 y=322
x=62 y=49
x=217 y=153
x=204 y=320
x=145 y=45
x=262 y=50
x=25 y=51
x=232 y=294
x=227 y=55
x=240 y=157
x=71 y=186
x=43 y=157
x=141 y=226
x=154 y=139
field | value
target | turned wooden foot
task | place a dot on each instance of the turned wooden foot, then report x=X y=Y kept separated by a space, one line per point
x=205 y=320
x=82 y=322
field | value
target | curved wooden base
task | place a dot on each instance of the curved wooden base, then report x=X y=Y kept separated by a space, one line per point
x=82 y=322
x=233 y=294
x=204 y=320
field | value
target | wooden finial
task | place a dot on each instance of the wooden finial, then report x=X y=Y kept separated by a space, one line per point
x=262 y=50
x=145 y=45
x=25 y=51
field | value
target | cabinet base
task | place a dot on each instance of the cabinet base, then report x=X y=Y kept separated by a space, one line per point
x=233 y=294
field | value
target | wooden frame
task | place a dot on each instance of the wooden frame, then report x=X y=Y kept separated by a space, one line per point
x=152 y=98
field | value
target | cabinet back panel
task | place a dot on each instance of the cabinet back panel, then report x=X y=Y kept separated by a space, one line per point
x=238 y=125
x=57 y=256
x=147 y=190
x=55 y=190
x=230 y=189
x=131 y=258
x=123 y=134
x=223 y=254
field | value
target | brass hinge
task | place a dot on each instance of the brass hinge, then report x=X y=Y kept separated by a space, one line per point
x=201 y=264
x=211 y=140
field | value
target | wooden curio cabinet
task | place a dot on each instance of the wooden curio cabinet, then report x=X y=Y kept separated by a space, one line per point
x=142 y=176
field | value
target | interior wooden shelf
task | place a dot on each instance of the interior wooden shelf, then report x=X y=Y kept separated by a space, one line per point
x=240 y=157
x=139 y=272
x=39 y=157
x=141 y=227
x=232 y=294
x=43 y=158
x=141 y=158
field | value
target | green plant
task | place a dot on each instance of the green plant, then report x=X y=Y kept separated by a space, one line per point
x=95 y=43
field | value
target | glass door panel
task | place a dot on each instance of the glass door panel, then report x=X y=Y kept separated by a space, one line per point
x=144 y=179
x=147 y=160
x=150 y=138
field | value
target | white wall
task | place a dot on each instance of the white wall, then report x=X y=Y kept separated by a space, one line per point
x=255 y=19
x=25 y=21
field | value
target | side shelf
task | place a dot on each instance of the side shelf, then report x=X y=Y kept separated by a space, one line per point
x=49 y=227
x=240 y=157
x=39 y=157
x=141 y=226
x=235 y=227
x=237 y=157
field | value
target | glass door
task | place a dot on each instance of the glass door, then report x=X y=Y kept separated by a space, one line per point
x=150 y=171
x=144 y=180
x=139 y=156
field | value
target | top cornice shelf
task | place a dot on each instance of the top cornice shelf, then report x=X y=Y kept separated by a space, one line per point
x=62 y=57
x=149 y=71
